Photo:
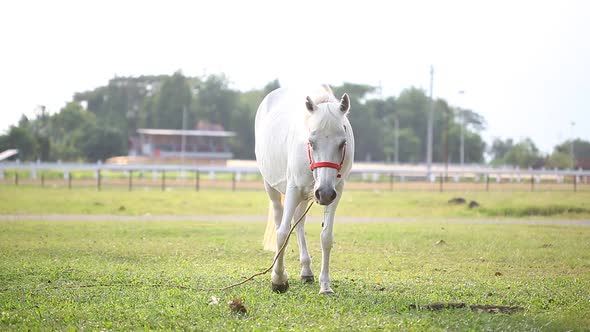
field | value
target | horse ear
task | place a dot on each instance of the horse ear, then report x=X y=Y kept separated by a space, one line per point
x=310 y=104
x=345 y=103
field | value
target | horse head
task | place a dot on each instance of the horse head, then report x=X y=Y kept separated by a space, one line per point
x=326 y=144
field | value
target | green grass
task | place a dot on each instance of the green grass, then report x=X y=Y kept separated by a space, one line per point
x=431 y=205
x=97 y=275
x=131 y=275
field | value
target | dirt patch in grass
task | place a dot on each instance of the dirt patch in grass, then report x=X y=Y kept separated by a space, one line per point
x=493 y=309
x=525 y=211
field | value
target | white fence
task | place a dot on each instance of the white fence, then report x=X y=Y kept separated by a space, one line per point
x=382 y=176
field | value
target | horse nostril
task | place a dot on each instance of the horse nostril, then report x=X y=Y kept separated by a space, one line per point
x=333 y=195
x=317 y=194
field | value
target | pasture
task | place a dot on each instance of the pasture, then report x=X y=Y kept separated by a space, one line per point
x=151 y=274
x=27 y=200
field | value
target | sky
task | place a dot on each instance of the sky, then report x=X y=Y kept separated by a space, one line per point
x=523 y=65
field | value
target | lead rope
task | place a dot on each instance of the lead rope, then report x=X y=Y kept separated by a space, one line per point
x=198 y=289
x=273 y=262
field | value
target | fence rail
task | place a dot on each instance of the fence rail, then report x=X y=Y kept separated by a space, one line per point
x=376 y=177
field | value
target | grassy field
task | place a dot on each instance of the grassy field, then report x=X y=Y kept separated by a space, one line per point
x=115 y=275
x=126 y=275
x=383 y=204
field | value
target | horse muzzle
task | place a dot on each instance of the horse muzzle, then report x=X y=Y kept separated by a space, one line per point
x=325 y=196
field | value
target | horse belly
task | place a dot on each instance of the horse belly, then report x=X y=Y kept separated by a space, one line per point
x=272 y=139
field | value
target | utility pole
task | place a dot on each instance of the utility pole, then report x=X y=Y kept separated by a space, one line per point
x=572 y=154
x=429 y=134
x=446 y=152
x=183 y=141
x=395 y=126
x=462 y=142
x=396 y=137
x=462 y=138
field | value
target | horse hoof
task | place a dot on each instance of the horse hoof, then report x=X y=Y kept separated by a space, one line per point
x=307 y=279
x=328 y=291
x=280 y=288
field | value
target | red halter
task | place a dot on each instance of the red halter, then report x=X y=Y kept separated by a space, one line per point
x=313 y=165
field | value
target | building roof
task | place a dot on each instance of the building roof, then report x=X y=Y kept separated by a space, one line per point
x=8 y=153
x=177 y=132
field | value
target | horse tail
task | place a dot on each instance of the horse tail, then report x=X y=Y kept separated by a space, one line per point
x=270 y=234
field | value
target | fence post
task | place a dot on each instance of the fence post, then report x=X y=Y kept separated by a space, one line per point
x=390 y=181
x=487 y=182
x=98 y=180
x=532 y=183
x=130 y=180
x=69 y=180
x=575 y=183
x=441 y=183
x=233 y=181
x=163 y=180
x=197 y=180
x=16 y=178
x=42 y=180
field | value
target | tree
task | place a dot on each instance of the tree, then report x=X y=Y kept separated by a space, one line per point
x=409 y=143
x=23 y=140
x=475 y=147
x=522 y=154
x=387 y=111
x=499 y=149
x=44 y=147
x=412 y=108
x=471 y=119
x=467 y=123
x=169 y=104
x=271 y=86
x=120 y=104
x=561 y=157
x=367 y=130
x=101 y=143
x=243 y=122
x=67 y=131
x=36 y=129
x=216 y=102
x=98 y=123
x=581 y=148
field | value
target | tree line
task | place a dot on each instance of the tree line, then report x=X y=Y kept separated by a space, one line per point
x=97 y=124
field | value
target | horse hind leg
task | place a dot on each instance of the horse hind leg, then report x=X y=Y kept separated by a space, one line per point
x=277 y=205
x=304 y=258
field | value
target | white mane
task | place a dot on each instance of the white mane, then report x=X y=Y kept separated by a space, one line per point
x=328 y=114
x=323 y=95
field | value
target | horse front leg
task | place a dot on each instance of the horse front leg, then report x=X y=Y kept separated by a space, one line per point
x=304 y=258
x=279 y=277
x=327 y=239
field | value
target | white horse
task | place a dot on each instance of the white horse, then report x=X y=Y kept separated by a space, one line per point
x=304 y=149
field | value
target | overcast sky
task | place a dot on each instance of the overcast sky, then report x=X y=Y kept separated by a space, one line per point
x=524 y=65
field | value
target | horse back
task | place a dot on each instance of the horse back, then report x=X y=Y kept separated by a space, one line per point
x=274 y=119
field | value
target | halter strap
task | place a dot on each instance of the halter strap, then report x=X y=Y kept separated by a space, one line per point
x=313 y=165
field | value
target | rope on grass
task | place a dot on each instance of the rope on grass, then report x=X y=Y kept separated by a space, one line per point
x=189 y=287
x=274 y=260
